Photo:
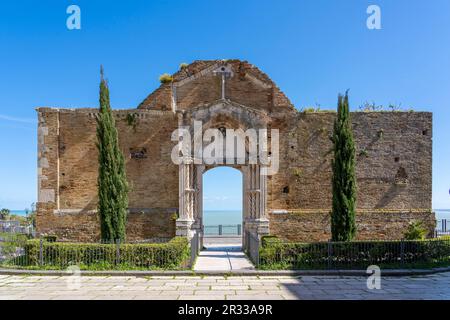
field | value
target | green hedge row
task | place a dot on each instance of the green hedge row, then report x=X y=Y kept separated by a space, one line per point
x=170 y=255
x=277 y=254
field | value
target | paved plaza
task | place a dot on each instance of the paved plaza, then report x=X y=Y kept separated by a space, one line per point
x=436 y=286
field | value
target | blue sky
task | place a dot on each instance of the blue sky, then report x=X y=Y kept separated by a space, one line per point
x=222 y=189
x=312 y=49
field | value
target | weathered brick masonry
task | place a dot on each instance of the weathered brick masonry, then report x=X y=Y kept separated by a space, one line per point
x=394 y=152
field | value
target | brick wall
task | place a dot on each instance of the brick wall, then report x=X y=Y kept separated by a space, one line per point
x=394 y=153
x=393 y=173
x=314 y=225
x=71 y=173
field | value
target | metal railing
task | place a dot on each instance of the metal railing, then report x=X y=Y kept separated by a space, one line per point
x=170 y=253
x=223 y=230
x=13 y=226
x=442 y=227
x=252 y=246
x=277 y=254
x=195 y=248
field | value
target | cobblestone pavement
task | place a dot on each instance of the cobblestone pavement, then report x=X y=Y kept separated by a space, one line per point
x=435 y=286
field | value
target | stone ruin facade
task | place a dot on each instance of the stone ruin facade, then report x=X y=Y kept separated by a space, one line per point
x=394 y=155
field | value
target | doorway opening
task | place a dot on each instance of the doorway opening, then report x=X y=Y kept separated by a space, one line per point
x=222 y=221
x=222 y=208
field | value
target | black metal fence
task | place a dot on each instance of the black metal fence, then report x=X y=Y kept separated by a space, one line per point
x=277 y=254
x=19 y=252
x=13 y=226
x=252 y=246
x=442 y=228
x=223 y=230
x=12 y=246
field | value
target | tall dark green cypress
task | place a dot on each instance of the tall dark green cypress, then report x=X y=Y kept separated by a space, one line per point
x=112 y=181
x=343 y=226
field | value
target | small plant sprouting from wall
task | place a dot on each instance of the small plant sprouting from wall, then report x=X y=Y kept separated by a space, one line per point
x=370 y=107
x=373 y=107
x=183 y=65
x=297 y=172
x=132 y=121
x=394 y=107
x=311 y=109
x=380 y=134
x=363 y=153
x=415 y=231
x=165 y=78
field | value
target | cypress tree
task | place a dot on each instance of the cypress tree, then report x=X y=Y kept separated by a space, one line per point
x=112 y=181
x=343 y=226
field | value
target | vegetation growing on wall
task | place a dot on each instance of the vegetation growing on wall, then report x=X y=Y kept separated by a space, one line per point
x=415 y=231
x=315 y=109
x=363 y=153
x=132 y=120
x=297 y=172
x=373 y=107
x=165 y=78
x=343 y=225
x=112 y=181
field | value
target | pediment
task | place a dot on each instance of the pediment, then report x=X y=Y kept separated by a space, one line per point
x=226 y=113
x=204 y=82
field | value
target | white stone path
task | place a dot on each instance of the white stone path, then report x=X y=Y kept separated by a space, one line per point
x=222 y=257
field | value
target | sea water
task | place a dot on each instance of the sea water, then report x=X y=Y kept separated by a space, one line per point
x=224 y=217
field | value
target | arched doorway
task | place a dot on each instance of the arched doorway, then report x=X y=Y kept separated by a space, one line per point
x=222 y=215
x=221 y=115
x=255 y=223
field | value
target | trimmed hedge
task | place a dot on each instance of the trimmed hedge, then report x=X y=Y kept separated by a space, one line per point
x=277 y=254
x=170 y=255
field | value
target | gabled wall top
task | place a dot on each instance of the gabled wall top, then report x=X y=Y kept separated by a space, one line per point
x=205 y=81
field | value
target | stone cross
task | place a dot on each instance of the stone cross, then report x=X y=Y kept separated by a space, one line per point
x=226 y=73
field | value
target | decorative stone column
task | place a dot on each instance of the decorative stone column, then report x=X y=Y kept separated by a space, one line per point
x=187 y=201
x=255 y=188
x=198 y=203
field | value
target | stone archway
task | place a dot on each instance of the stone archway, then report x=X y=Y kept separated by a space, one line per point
x=190 y=221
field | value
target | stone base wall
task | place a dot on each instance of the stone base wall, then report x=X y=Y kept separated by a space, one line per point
x=84 y=226
x=371 y=225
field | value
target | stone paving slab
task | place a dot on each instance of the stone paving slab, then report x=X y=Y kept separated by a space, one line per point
x=222 y=258
x=222 y=288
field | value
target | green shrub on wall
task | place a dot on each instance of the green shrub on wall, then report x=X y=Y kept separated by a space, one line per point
x=169 y=255
x=416 y=231
x=165 y=78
